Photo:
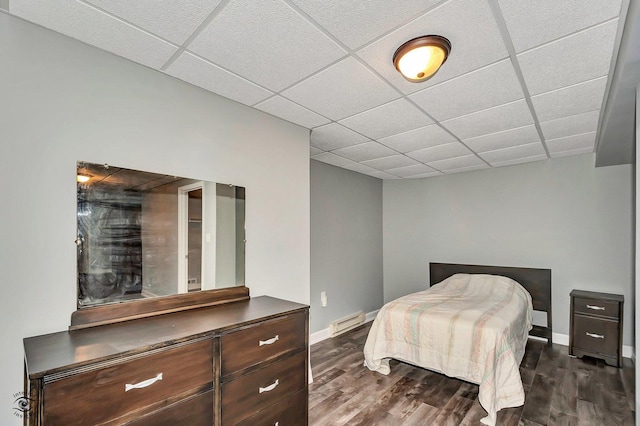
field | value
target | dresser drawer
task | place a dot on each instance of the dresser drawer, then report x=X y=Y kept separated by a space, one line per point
x=595 y=335
x=603 y=308
x=253 y=392
x=194 y=411
x=262 y=342
x=108 y=393
x=292 y=411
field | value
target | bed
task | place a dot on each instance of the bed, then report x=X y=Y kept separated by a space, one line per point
x=472 y=323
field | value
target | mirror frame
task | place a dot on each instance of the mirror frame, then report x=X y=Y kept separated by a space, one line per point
x=117 y=312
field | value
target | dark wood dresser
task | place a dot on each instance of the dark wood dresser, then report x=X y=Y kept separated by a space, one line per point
x=596 y=326
x=242 y=363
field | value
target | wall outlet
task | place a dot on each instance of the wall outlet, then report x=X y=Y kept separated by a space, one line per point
x=323 y=299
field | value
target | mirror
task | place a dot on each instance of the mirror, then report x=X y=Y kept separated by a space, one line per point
x=143 y=235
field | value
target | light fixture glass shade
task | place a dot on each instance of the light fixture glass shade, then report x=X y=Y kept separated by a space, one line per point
x=420 y=58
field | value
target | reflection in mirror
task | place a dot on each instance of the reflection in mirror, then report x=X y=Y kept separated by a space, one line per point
x=144 y=234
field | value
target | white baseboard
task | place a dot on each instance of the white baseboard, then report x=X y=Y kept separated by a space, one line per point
x=324 y=334
x=561 y=339
x=319 y=336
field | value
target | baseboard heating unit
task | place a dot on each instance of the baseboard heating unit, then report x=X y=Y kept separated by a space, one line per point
x=347 y=323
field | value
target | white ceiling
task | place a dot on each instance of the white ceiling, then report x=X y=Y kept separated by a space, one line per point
x=525 y=80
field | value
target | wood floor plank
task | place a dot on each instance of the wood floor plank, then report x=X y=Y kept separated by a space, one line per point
x=559 y=390
x=509 y=416
x=454 y=411
x=557 y=418
x=423 y=415
x=587 y=414
x=538 y=401
x=474 y=415
x=627 y=375
x=565 y=394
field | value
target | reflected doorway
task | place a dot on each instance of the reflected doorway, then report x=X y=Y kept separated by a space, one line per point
x=190 y=237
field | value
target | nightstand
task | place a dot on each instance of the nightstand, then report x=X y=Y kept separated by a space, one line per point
x=596 y=326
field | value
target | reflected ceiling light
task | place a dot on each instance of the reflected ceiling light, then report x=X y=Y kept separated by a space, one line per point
x=83 y=178
x=420 y=58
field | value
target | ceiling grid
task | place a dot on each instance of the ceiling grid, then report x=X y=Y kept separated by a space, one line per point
x=524 y=82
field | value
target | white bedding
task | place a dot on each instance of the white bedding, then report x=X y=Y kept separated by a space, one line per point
x=472 y=327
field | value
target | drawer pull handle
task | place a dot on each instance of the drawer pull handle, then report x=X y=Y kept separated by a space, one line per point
x=595 y=336
x=271 y=387
x=269 y=341
x=143 y=384
x=596 y=307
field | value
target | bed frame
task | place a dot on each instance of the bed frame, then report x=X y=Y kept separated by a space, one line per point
x=536 y=281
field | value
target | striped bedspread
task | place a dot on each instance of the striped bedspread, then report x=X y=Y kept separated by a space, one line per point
x=473 y=327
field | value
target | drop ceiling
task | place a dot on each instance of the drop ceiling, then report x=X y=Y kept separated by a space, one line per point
x=525 y=80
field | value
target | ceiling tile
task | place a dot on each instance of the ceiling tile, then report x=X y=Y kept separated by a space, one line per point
x=172 y=20
x=334 y=136
x=469 y=26
x=358 y=22
x=391 y=162
x=579 y=57
x=487 y=87
x=425 y=175
x=365 y=151
x=466 y=169
x=329 y=158
x=382 y=175
x=570 y=143
x=512 y=153
x=572 y=125
x=440 y=152
x=532 y=23
x=503 y=117
x=287 y=110
x=388 y=119
x=315 y=151
x=572 y=152
x=457 y=163
x=360 y=168
x=408 y=171
x=519 y=161
x=96 y=28
x=210 y=77
x=266 y=42
x=342 y=90
x=414 y=140
x=505 y=139
x=570 y=100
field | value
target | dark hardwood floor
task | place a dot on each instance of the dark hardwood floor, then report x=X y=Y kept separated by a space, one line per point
x=559 y=390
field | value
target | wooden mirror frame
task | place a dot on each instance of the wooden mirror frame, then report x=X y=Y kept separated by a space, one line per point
x=119 y=312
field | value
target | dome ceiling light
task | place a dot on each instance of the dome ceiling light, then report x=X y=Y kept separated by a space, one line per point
x=420 y=58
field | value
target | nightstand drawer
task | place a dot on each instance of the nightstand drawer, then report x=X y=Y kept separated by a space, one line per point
x=595 y=335
x=601 y=308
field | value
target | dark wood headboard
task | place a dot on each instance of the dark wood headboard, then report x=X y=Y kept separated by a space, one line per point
x=536 y=281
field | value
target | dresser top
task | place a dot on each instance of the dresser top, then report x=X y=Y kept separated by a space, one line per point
x=51 y=353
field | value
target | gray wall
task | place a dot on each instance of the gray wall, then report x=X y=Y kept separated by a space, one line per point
x=346 y=243
x=62 y=101
x=562 y=214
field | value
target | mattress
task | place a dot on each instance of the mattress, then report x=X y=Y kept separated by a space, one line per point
x=472 y=327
